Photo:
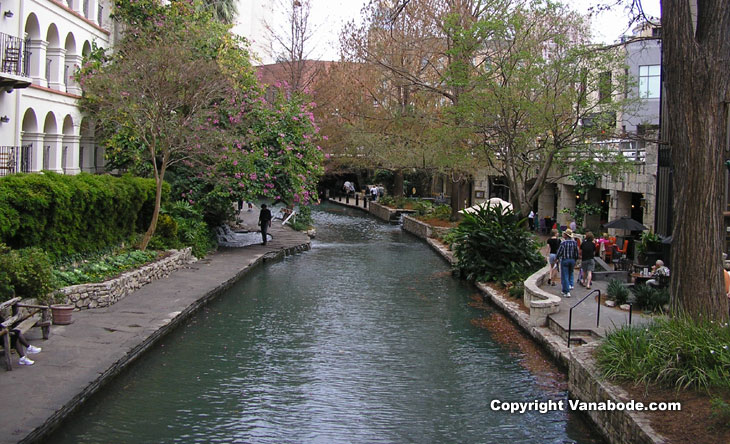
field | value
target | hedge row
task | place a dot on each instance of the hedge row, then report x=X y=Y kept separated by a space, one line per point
x=65 y=215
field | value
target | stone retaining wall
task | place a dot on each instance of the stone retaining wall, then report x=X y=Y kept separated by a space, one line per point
x=584 y=383
x=541 y=303
x=103 y=294
x=421 y=229
x=380 y=211
x=618 y=426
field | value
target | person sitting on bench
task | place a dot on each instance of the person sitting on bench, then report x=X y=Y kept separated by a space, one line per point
x=21 y=345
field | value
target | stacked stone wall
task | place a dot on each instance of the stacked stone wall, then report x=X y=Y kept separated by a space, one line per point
x=585 y=382
x=618 y=426
x=380 y=211
x=104 y=294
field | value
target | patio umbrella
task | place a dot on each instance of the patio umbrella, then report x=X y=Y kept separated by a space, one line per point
x=493 y=202
x=626 y=223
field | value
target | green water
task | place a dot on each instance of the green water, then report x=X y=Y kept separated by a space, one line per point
x=364 y=339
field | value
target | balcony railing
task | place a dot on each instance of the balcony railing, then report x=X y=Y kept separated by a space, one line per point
x=14 y=55
x=15 y=159
x=604 y=151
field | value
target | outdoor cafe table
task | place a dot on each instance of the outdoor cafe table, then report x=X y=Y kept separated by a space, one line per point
x=640 y=279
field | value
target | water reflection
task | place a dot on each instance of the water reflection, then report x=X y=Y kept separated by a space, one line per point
x=364 y=338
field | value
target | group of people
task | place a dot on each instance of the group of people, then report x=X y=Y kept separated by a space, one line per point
x=563 y=256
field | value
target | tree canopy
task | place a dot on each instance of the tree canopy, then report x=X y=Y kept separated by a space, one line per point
x=178 y=93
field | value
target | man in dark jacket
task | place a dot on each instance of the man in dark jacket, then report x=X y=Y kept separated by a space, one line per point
x=567 y=255
x=264 y=222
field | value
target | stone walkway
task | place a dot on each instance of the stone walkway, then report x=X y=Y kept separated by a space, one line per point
x=79 y=358
x=584 y=314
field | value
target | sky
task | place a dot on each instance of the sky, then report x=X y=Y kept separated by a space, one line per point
x=328 y=17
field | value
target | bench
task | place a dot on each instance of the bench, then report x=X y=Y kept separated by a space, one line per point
x=23 y=320
x=284 y=215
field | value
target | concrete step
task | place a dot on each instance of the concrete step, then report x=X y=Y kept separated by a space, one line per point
x=577 y=336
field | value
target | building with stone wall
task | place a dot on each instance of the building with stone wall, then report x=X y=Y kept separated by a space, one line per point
x=633 y=193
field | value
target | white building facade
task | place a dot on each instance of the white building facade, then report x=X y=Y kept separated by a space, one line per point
x=42 y=44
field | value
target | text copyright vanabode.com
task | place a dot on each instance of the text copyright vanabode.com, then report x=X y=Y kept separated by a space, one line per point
x=577 y=405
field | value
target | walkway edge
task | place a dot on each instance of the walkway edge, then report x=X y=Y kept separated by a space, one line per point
x=583 y=381
x=53 y=421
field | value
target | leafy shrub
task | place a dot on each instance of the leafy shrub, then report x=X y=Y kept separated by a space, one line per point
x=72 y=214
x=423 y=207
x=192 y=230
x=388 y=201
x=659 y=299
x=679 y=352
x=720 y=408
x=6 y=287
x=442 y=212
x=29 y=273
x=617 y=291
x=491 y=244
x=165 y=236
x=644 y=295
x=651 y=298
x=517 y=290
x=302 y=220
x=449 y=237
x=427 y=210
x=103 y=267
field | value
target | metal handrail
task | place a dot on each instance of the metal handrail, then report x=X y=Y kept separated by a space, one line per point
x=570 y=314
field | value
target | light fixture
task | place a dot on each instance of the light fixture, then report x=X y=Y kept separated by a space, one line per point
x=4 y=119
x=8 y=14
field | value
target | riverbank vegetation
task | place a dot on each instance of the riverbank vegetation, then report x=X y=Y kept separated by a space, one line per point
x=677 y=352
x=207 y=128
x=492 y=244
x=681 y=358
x=59 y=230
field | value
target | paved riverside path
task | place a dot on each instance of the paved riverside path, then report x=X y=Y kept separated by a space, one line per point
x=78 y=358
x=584 y=315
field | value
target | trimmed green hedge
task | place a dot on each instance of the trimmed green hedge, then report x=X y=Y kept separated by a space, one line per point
x=65 y=215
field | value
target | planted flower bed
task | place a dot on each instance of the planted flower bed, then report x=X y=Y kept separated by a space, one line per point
x=102 y=268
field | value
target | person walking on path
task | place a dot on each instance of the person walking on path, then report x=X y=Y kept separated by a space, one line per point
x=531 y=220
x=553 y=243
x=587 y=261
x=567 y=255
x=264 y=222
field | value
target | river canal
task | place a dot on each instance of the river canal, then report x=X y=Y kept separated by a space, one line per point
x=364 y=339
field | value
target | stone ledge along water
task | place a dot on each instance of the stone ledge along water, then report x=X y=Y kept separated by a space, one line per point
x=80 y=359
x=364 y=338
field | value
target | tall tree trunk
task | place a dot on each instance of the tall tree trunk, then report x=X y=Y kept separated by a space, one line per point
x=696 y=79
x=155 y=213
x=456 y=204
x=398 y=183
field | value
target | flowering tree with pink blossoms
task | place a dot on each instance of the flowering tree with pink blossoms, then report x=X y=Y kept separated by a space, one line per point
x=179 y=94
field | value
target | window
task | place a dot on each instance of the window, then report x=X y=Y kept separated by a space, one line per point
x=604 y=87
x=649 y=81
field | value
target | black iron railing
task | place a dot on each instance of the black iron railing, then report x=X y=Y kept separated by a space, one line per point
x=14 y=55
x=15 y=159
x=570 y=314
